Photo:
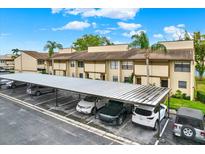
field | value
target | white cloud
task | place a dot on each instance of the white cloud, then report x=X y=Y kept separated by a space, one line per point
x=181 y=25
x=111 y=28
x=94 y=24
x=73 y=25
x=56 y=10
x=176 y=32
x=129 y=26
x=113 y=13
x=129 y=34
x=102 y=31
x=3 y=35
x=158 y=36
x=119 y=42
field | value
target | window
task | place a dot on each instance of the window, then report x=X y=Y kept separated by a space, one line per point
x=72 y=64
x=127 y=65
x=40 y=62
x=182 y=84
x=139 y=80
x=81 y=75
x=143 y=112
x=190 y=121
x=115 y=78
x=126 y=79
x=164 y=83
x=182 y=67
x=80 y=64
x=113 y=65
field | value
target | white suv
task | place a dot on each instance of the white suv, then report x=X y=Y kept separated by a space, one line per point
x=87 y=105
x=148 y=116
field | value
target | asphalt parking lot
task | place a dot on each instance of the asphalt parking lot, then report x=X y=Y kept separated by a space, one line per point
x=67 y=102
x=23 y=126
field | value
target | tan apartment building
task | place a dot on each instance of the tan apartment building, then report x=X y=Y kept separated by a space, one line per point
x=7 y=62
x=33 y=61
x=118 y=63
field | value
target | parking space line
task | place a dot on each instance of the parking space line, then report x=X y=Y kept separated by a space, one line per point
x=110 y=136
x=70 y=113
x=124 y=125
x=47 y=101
x=21 y=95
x=165 y=125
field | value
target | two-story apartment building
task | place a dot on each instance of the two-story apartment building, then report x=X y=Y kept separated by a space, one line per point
x=33 y=61
x=118 y=63
x=7 y=62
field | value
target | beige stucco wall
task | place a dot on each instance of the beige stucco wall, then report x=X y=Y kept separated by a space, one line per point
x=111 y=48
x=154 y=70
x=59 y=65
x=153 y=81
x=28 y=63
x=66 y=50
x=98 y=67
x=179 y=45
x=179 y=76
x=17 y=64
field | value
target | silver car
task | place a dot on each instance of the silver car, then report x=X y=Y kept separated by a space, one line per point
x=37 y=90
x=189 y=124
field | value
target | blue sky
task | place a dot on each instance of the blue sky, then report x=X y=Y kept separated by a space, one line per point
x=29 y=29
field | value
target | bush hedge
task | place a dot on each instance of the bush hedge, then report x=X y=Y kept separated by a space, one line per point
x=201 y=96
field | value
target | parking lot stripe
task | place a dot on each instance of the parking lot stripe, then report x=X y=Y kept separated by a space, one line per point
x=75 y=123
x=157 y=142
x=47 y=101
x=70 y=113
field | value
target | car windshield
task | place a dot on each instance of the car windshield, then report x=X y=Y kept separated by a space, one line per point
x=90 y=98
x=114 y=104
x=190 y=121
x=143 y=112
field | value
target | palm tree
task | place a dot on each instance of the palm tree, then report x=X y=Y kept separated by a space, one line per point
x=141 y=40
x=15 y=53
x=51 y=46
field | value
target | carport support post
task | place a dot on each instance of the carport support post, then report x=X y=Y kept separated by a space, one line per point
x=56 y=91
x=168 y=105
x=95 y=108
x=158 y=134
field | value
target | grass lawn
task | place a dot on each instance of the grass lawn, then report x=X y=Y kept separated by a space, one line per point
x=176 y=103
x=200 y=85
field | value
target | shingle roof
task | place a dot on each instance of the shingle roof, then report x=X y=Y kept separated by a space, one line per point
x=132 y=54
x=37 y=55
x=180 y=54
x=6 y=57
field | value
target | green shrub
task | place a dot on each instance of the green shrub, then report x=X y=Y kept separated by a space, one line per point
x=200 y=96
x=181 y=95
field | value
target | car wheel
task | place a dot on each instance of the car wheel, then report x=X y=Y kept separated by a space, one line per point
x=38 y=93
x=94 y=110
x=156 y=125
x=13 y=86
x=120 y=120
x=188 y=132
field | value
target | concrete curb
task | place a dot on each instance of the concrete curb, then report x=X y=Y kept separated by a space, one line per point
x=86 y=127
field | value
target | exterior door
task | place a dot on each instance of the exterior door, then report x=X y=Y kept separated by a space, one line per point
x=164 y=83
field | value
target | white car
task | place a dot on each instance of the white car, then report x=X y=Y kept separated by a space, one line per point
x=148 y=116
x=87 y=105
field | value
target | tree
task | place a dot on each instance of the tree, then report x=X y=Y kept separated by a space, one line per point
x=199 y=46
x=141 y=40
x=51 y=46
x=86 y=41
x=15 y=53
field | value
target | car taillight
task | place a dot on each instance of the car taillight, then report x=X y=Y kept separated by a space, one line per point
x=202 y=133
x=174 y=126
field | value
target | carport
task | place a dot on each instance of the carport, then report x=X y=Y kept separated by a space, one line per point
x=124 y=92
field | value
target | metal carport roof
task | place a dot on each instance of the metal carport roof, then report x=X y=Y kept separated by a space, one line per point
x=125 y=92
